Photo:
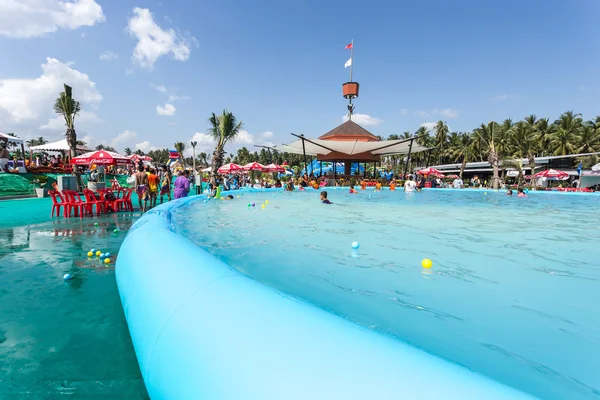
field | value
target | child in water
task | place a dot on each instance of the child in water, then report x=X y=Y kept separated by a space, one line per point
x=352 y=190
x=363 y=185
x=393 y=184
x=378 y=186
x=520 y=193
x=324 y=199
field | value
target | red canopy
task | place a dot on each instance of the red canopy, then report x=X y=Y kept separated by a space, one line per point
x=136 y=157
x=429 y=171
x=101 y=157
x=453 y=176
x=552 y=173
x=227 y=168
x=274 y=168
x=254 y=166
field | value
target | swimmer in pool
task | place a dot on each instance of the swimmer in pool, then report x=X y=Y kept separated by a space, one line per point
x=229 y=197
x=509 y=192
x=352 y=190
x=324 y=199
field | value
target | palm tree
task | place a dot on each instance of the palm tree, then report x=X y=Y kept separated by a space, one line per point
x=180 y=148
x=543 y=131
x=568 y=129
x=524 y=142
x=69 y=108
x=488 y=134
x=589 y=139
x=127 y=151
x=41 y=140
x=461 y=148
x=223 y=128
x=441 y=134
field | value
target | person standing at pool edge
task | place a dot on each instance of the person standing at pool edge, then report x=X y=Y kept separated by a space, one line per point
x=141 y=187
x=182 y=185
x=324 y=199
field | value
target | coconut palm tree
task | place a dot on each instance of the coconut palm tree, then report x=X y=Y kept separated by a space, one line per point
x=127 y=151
x=524 y=143
x=180 y=148
x=589 y=139
x=566 y=134
x=461 y=149
x=69 y=108
x=488 y=135
x=223 y=128
x=441 y=135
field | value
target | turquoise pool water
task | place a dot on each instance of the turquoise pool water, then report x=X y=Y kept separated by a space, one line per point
x=62 y=339
x=512 y=293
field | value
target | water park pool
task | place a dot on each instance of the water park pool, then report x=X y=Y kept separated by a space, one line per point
x=512 y=293
x=57 y=338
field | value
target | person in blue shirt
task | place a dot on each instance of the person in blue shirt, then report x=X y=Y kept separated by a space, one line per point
x=324 y=199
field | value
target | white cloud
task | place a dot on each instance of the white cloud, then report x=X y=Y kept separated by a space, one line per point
x=429 y=125
x=500 y=97
x=423 y=114
x=168 y=110
x=145 y=146
x=446 y=112
x=160 y=88
x=244 y=137
x=205 y=143
x=174 y=97
x=58 y=123
x=404 y=112
x=267 y=134
x=108 y=56
x=363 y=119
x=154 y=42
x=31 y=18
x=25 y=101
x=124 y=139
x=83 y=35
x=269 y=144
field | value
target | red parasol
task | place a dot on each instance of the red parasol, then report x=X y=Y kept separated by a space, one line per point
x=254 y=166
x=137 y=157
x=552 y=173
x=274 y=168
x=453 y=176
x=429 y=171
x=228 y=168
x=101 y=157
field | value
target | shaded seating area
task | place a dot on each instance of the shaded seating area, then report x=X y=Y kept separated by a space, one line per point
x=73 y=205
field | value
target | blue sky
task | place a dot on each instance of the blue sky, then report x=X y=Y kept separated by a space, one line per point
x=279 y=65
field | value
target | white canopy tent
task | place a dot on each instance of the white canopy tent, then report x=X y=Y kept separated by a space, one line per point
x=11 y=139
x=315 y=147
x=60 y=145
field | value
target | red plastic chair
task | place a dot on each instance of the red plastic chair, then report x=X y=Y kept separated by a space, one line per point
x=74 y=203
x=90 y=199
x=124 y=203
x=56 y=204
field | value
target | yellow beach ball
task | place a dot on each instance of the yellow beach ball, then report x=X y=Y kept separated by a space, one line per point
x=98 y=253
x=426 y=263
x=90 y=254
x=107 y=261
x=266 y=201
x=263 y=206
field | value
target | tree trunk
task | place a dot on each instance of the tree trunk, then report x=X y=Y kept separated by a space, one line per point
x=462 y=167
x=493 y=160
x=532 y=167
x=72 y=141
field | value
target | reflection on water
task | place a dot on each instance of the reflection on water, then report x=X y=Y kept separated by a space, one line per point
x=512 y=294
x=62 y=338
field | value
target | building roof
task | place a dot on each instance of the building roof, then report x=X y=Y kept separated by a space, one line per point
x=484 y=164
x=316 y=147
x=349 y=130
x=60 y=145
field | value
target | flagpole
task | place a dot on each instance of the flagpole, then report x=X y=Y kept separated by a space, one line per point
x=351 y=58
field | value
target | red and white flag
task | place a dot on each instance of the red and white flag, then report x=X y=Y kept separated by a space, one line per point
x=348 y=46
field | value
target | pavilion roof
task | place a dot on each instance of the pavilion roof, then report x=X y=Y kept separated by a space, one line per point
x=349 y=130
x=316 y=147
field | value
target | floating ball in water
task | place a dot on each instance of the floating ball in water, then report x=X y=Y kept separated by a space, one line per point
x=102 y=255
x=263 y=206
x=116 y=231
x=90 y=254
x=222 y=198
x=67 y=277
x=107 y=261
x=253 y=204
x=92 y=250
x=106 y=254
x=273 y=195
x=249 y=204
x=426 y=263
x=238 y=196
x=204 y=201
x=96 y=224
x=266 y=201
x=355 y=245
x=98 y=253
x=485 y=193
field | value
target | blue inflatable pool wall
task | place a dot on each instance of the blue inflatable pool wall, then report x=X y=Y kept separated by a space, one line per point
x=202 y=330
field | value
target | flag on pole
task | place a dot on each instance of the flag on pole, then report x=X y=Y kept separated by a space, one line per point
x=348 y=46
x=348 y=63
